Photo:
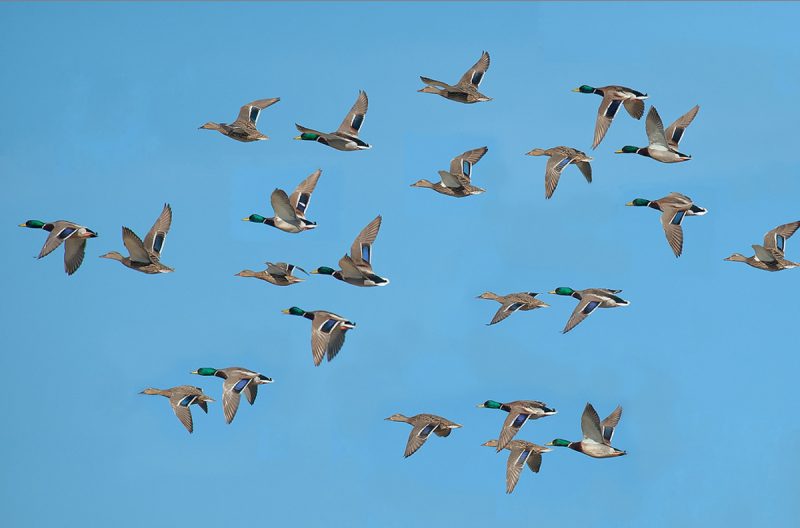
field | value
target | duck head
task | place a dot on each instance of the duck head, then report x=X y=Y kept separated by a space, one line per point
x=559 y=442
x=323 y=270
x=563 y=290
x=737 y=257
x=490 y=404
x=584 y=88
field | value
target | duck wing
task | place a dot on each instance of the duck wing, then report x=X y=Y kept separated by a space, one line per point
x=155 y=238
x=301 y=196
x=472 y=78
x=355 y=118
x=675 y=131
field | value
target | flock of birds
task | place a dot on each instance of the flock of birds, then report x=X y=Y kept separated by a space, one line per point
x=328 y=329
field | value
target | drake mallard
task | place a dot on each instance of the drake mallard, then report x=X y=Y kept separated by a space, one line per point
x=588 y=300
x=613 y=96
x=357 y=266
x=521 y=452
x=279 y=274
x=519 y=412
x=423 y=425
x=512 y=302
x=674 y=207
x=180 y=398
x=62 y=230
x=346 y=136
x=457 y=182
x=237 y=379
x=770 y=256
x=560 y=157
x=290 y=211
x=663 y=146
x=466 y=89
x=596 y=435
x=327 y=332
x=146 y=256
x=244 y=128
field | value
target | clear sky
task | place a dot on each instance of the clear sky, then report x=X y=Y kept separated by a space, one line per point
x=101 y=108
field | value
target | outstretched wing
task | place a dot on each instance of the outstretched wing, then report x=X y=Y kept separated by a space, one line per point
x=610 y=423
x=135 y=246
x=462 y=165
x=154 y=241
x=552 y=172
x=675 y=131
x=586 y=306
x=180 y=405
x=655 y=129
x=516 y=461
x=361 y=250
x=301 y=196
x=505 y=310
x=248 y=114
x=283 y=209
x=671 y=221
x=61 y=231
x=511 y=426
x=590 y=425
x=232 y=389
x=355 y=118
x=776 y=238
x=605 y=114
x=417 y=437
x=74 y=250
x=635 y=107
x=474 y=76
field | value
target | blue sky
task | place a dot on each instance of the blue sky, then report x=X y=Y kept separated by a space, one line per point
x=102 y=105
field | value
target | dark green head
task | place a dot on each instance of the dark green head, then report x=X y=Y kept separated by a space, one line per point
x=308 y=136
x=628 y=149
x=563 y=290
x=324 y=270
x=258 y=219
x=205 y=371
x=33 y=224
x=639 y=202
x=491 y=404
x=584 y=88
x=559 y=442
x=294 y=310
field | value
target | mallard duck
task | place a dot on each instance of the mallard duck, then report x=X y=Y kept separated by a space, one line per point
x=62 y=230
x=357 y=266
x=674 y=207
x=596 y=435
x=290 y=211
x=327 y=332
x=613 y=96
x=423 y=425
x=244 y=128
x=512 y=302
x=457 y=182
x=519 y=412
x=237 y=379
x=279 y=274
x=521 y=452
x=466 y=89
x=560 y=157
x=589 y=299
x=181 y=398
x=770 y=256
x=663 y=146
x=346 y=136
x=146 y=256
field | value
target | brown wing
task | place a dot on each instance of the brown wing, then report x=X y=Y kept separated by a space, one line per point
x=355 y=118
x=361 y=250
x=516 y=461
x=74 y=250
x=462 y=165
x=61 y=231
x=301 y=196
x=605 y=114
x=135 y=246
x=419 y=434
x=675 y=131
x=671 y=221
x=610 y=423
x=511 y=426
x=586 y=306
x=249 y=113
x=182 y=411
x=635 y=107
x=776 y=238
x=474 y=76
x=552 y=172
x=590 y=424
x=154 y=241
x=506 y=309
